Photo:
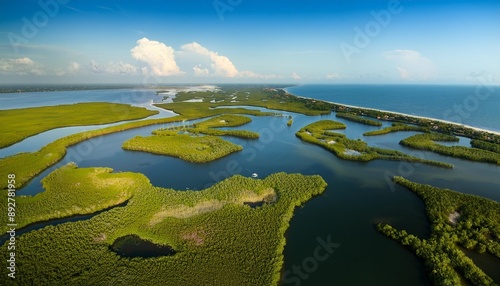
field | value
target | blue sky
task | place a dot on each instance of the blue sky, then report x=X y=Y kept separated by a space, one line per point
x=239 y=41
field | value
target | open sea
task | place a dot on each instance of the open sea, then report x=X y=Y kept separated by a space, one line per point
x=477 y=106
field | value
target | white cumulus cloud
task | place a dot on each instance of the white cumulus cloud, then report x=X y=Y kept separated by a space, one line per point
x=73 y=67
x=200 y=71
x=221 y=65
x=296 y=76
x=20 y=66
x=411 y=65
x=159 y=57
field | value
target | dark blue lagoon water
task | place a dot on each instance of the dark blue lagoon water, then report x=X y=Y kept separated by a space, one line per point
x=477 y=106
x=358 y=195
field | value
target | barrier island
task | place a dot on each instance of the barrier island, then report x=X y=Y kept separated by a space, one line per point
x=468 y=221
x=214 y=237
x=320 y=133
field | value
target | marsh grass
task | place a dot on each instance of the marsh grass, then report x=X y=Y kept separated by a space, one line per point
x=19 y=124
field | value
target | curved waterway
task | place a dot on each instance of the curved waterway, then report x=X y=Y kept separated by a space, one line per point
x=358 y=195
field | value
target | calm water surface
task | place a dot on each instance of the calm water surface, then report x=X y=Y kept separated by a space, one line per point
x=358 y=195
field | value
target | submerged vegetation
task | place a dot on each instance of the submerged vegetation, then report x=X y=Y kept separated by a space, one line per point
x=19 y=124
x=427 y=142
x=217 y=239
x=396 y=127
x=457 y=219
x=357 y=118
x=319 y=133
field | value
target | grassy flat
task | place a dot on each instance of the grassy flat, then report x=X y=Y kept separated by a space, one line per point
x=470 y=221
x=355 y=150
x=218 y=239
x=19 y=124
x=196 y=149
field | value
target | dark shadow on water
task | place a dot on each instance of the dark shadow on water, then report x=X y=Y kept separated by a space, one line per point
x=133 y=246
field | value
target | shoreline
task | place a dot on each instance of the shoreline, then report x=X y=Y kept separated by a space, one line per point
x=401 y=114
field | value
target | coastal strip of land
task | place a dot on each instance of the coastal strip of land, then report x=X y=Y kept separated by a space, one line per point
x=455 y=128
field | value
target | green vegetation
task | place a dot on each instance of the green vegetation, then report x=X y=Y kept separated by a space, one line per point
x=83 y=191
x=196 y=149
x=289 y=122
x=457 y=219
x=396 y=127
x=357 y=118
x=226 y=120
x=184 y=142
x=270 y=98
x=355 y=150
x=485 y=146
x=28 y=165
x=426 y=142
x=218 y=239
x=207 y=127
x=19 y=124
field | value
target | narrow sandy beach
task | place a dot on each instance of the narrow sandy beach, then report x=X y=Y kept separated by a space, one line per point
x=404 y=114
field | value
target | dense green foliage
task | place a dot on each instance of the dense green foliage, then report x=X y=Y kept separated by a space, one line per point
x=19 y=124
x=196 y=149
x=184 y=142
x=71 y=191
x=218 y=241
x=357 y=118
x=28 y=165
x=225 y=120
x=270 y=98
x=485 y=146
x=457 y=219
x=207 y=127
x=348 y=149
x=426 y=142
x=396 y=127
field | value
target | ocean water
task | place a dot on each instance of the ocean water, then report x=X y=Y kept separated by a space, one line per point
x=477 y=106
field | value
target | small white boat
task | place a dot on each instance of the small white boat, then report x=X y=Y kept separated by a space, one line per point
x=254 y=175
